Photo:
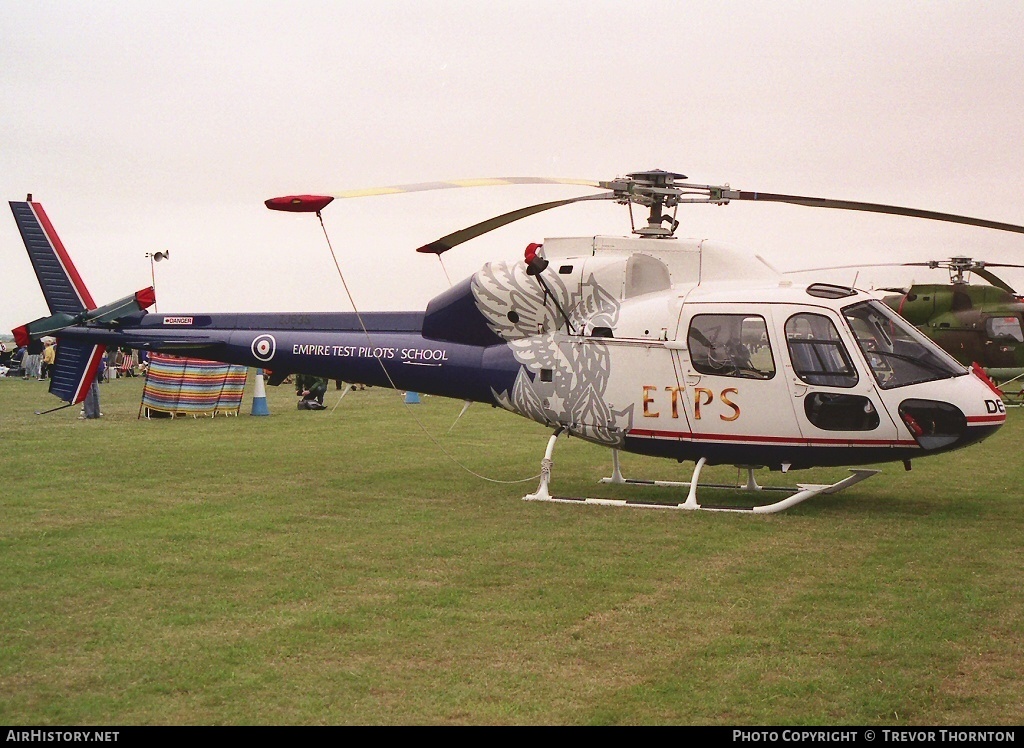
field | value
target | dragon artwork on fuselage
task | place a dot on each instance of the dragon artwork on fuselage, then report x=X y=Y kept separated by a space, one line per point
x=561 y=380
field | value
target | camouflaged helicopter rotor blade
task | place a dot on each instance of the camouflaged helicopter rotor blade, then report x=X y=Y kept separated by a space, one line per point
x=994 y=279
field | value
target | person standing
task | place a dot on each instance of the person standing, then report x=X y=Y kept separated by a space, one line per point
x=91 y=405
x=33 y=360
x=49 y=357
x=109 y=370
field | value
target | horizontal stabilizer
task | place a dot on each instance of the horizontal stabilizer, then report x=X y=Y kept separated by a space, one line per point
x=122 y=307
x=42 y=327
x=107 y=314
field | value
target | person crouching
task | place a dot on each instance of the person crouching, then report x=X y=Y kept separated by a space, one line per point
x=313 y=394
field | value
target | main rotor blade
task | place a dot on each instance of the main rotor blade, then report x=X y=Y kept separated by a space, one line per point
x=457 y=183
x=464 y=235
x=821 y=202
x=859 y=265
x=994 y=279
x=979 y=270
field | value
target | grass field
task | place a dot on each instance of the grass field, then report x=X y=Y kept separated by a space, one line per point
x=336 y=568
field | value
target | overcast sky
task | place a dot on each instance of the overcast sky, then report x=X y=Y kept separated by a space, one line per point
x=145 y=127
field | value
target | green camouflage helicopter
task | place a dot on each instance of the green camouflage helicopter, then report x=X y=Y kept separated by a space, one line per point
x=973 y=323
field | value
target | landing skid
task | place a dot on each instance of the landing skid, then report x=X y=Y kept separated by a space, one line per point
x=800 y=493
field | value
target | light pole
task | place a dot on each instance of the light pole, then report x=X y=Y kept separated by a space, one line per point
x=155 y=257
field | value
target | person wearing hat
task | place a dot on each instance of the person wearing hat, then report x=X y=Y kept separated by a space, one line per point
x=49 y=357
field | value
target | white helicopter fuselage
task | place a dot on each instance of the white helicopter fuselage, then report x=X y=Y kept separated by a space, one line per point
x=686 y=349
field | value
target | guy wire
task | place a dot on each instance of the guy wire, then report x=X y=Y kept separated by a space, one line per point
x=387 y=374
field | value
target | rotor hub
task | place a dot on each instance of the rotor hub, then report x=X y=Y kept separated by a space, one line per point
x=656 y=190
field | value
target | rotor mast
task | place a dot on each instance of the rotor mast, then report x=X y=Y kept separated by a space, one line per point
x=655 y=189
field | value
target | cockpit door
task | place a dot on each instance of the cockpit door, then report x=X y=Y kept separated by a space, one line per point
x=835 y=400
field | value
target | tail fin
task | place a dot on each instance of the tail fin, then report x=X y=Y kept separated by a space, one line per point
x=70 y=304
x=63 y=288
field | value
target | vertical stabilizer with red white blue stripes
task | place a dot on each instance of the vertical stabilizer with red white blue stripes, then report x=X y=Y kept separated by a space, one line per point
x=67 y=297
x=62 y=285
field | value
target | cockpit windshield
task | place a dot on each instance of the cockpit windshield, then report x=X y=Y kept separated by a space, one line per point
x=897 y=354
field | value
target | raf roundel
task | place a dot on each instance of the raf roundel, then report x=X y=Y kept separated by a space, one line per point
x=263 y=347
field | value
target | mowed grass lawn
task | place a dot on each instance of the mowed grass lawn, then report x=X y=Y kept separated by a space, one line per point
x=337 y=567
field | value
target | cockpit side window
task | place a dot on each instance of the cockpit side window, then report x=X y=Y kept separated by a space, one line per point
x=896 y=353
x=731 y=345
x=1004 y=327
x=818 y=355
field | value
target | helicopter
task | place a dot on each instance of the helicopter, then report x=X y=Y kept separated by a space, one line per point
x=973 y=323
x=649 y=344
